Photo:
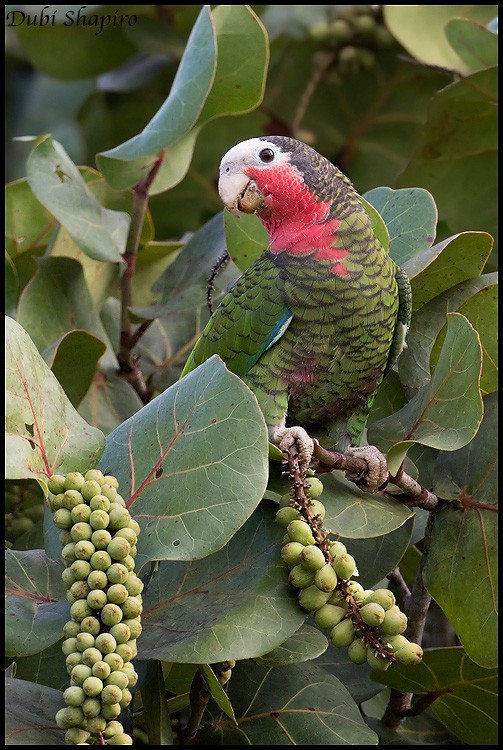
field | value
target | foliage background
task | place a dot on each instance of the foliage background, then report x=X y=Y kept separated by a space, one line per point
x=420 y=113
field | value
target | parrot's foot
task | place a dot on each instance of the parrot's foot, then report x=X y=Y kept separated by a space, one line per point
x=285 y=437
x=377 y=474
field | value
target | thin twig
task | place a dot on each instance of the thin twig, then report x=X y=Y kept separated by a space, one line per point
x=199 y=698
x=128 y=367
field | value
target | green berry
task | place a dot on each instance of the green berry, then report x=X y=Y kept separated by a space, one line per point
x=119 y=516
x=337 y=548
x=80 y=512
x=92 y=686
x=56 y=484
x=91 y=655
x=410 y=653
x=68 y=646
x=312 y=598
x=111 y=614
x=300 y=531
x=312 y=558
x=111 y=711
x=89 y=489
x=93 y=475
x=394 y=642
x=132 y=607
x=113 y=727
x=74 y=480
x=338 y=600
x=90 y=625
x=83 y=641
x=340 y=30
x=80 y=673
x=121 y=632
x=101 y=560
x=394 y=622
x=62 y=518
x=120 y=739
x=357 y=651
x=101 y=669
x=84 y=550
x=68 y=553
x=117 y=593
x=345 y=566
x=91 y=707
x=96 y=724
x=97 y=579
x=328 y=616
x=71 y=716
x=101 y=539
x=71 y=499
x=72 y=660
x=57 y=502
x=114 y=660
x=71 y=629
x=118 y=548
x=285 y=500
x=111 y=481
x=133 y=584
x=125 y=650
x=325 y=578
x=100 y=502
x=342 y=634
x=120 y=679
x=314 y=487
x=106 y=643
x=80 y=569
x=74 y=696
x=318 y=509
x=290 y=553
x=81 y=532
x=99 y=519
x=128 y=562
x=285 y=515
x=97 y=598
x=357 y=591
x=134 y=625
x=80 y=609
x=117 y=573
x=372 y=614
x=300 y=577
x=377 y=662
x=384 y=597
x=76 y=736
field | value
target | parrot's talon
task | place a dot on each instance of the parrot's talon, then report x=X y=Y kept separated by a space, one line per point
x=376 y=477
x=285 y=437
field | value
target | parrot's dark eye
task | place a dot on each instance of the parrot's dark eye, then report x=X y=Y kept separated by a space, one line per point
x=266 y=155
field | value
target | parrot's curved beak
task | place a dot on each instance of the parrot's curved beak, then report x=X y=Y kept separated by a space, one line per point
x=239 y=193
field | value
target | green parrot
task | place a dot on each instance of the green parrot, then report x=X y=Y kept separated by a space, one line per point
x=315 y=323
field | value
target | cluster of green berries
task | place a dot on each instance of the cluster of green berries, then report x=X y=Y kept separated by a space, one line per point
x=99 y=546
x=368 y=623
x=23 y=508
x=356 y=32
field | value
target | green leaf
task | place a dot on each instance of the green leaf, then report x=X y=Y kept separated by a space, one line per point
x=217 y=692
x=73 y=359
x=242 y=59
x=245 y=606
x=76 y=41
x=473 y=42
x=59 y=186
x=458 y=146
x=462 y=563
x=481 y=310
x=467 y=694
x=446 y=264
x=57 y=301
x=36 y=608
x=11 y=286
x=447 y=411
x=28 y=225
x=30 y=712
x=427 y=323
x=355 y=677
x=304 y=645
x=181 y=109
x=421 y=29
x=44 y=433
x=299 y=704
x=378 y=223
x=354 y=514
x=46 y=667
x=246 y=238
x=155 y=713
x=208 y=84
x=191 y=464
x=109 y=401
x=410 y=215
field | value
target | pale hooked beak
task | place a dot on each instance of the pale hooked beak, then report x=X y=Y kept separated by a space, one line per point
x=239 y=193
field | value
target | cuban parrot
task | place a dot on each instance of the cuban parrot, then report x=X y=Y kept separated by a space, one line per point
x=315 y=323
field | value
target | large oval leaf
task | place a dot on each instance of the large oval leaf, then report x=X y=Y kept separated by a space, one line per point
x=59 y=186
x=191 y=464
x=245 y=606
x=44 y=433
x=462 y=563
x=300 y=704
x=446 y=412
x=467 y=695
x=30 y=712
x=36 y=608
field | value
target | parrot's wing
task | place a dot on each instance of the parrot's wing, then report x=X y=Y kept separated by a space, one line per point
x=403 y=318
x=251 y=317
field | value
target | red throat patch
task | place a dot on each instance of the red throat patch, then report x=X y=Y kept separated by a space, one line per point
x=295 y=220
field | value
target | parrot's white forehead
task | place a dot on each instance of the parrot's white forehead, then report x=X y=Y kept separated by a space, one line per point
x=250 y=153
